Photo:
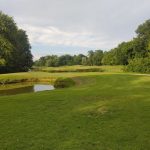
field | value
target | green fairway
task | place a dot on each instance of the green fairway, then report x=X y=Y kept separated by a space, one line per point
x=103 y=111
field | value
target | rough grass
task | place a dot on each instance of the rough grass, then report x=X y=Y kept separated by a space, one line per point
x=26 y=77
x=102 y=112
x=50 y=74
x=80 y=68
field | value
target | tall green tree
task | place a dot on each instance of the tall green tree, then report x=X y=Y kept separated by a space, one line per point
x=143 y=38
x=109 y=58
x=97 y=57
x=90 y=58
x=15 y=54
x=77 y=59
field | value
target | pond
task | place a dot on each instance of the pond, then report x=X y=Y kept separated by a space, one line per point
x=27 y=89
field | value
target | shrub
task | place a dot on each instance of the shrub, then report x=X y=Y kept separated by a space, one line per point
x=141 y=65
x=64 y=82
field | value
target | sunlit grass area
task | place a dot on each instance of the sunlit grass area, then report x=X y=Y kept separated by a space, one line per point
x=102 y=111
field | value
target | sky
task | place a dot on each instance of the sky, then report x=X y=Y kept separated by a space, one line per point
x=76 y=26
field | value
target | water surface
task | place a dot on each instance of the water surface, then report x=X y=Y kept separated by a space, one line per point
x=27 y=89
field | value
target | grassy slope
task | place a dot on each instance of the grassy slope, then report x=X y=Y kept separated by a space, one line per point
x=103 y=112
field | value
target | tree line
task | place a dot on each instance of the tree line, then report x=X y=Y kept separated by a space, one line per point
x=134 y=54
x=93 y=58
x=15 y=54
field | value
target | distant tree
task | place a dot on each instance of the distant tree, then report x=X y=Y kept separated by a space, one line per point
x=77 y=59
x=90 y=58
x=65 y=60
x=124 y=52
x=84 y=61
x=94 y=58
x=109 y=58
x=97 y=57
x=52 y=61
x=40 y=62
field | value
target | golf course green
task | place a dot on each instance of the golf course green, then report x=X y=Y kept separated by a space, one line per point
x=102 y=111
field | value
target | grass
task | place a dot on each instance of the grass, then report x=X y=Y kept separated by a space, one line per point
x=80 y=68
x=44 y=76
x=103 y=111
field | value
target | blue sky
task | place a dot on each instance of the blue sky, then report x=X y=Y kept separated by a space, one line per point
x=76 y=26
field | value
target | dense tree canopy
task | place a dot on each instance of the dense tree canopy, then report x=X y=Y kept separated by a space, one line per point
x=55 y=61
x=141 y=65
x=93 y=58
x=139 y=47
x=15 y=54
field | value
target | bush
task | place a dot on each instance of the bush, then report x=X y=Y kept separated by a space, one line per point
x=64 y=82
x=141 y=65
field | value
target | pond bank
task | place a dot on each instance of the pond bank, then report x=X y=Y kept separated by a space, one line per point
x=27 y=88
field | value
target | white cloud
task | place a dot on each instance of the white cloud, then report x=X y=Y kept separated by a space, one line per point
x=55 y=36
x=96 y=24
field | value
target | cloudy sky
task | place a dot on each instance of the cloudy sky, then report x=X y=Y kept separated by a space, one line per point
x=76 y=26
